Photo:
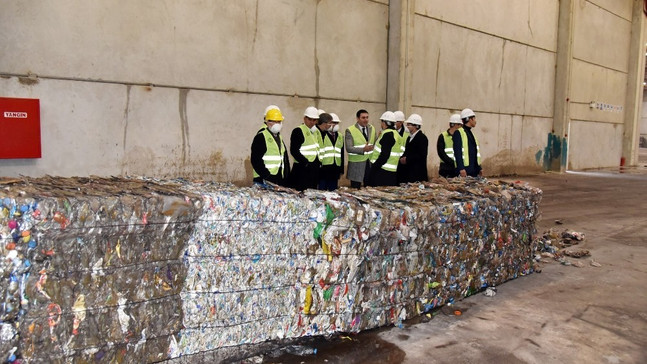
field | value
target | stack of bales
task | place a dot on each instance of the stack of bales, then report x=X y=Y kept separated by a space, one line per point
x=114 y=270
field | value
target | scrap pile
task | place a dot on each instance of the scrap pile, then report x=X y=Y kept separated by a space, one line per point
x=92 y=268
x=110 y=269
x=266 y=265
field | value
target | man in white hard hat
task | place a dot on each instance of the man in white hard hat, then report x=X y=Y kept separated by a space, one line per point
x=359 y=140
x=413 y=163
x=445 y=148
x=269 y=157
x=332 y=154
x=466 y=147
x=386 y=155
x=305 y=151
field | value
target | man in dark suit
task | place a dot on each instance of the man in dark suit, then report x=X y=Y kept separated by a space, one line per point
x=414 y=160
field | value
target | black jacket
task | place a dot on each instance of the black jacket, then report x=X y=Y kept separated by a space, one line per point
x=474 y=168
x=258 y=151
x=415 y=151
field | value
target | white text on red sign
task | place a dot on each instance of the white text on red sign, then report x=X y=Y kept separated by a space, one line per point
x=15 y=114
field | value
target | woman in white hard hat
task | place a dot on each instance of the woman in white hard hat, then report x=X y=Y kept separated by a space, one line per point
x=414 y=159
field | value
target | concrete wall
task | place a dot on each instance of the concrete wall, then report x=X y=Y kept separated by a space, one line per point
x=599 y=75
x=497 y=59
x=169 y=89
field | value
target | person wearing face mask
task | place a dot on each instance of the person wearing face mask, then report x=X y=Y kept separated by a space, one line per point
x=466 y=147
x=331 y=152
x=305 y=151
x=386 y=154
x=413 y=163
x=269 y=156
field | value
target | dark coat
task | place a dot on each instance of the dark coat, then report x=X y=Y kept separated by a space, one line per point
x=415 y=151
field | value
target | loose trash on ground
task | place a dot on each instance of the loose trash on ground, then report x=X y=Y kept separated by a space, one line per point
x=557 y=245
x=112 y=269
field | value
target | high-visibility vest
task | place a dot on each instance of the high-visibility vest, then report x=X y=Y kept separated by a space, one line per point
x=331 y=154
x=310 y=146
x=274 y=155
x=449 y=146
x=360 y=142
x=466 y=154
x=397 y=150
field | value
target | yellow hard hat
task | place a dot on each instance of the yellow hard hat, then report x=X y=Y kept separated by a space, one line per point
x=274 y=115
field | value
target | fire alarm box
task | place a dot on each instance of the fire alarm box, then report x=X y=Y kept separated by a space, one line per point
x=19 y=128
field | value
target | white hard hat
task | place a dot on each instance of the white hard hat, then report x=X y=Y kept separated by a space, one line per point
x=414 y=119
x=399 y=115
x=467 y=113
x=312 y=112
x=320 y=111
x=388 y=116
x=335 y=118
x=455 y=119
x=271 y=107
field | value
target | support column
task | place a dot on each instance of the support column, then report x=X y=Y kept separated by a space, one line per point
x=556 y=156
x=635 y=79
x=398 y=88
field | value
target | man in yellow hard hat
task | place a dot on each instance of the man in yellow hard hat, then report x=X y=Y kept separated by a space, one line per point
x=269 y=155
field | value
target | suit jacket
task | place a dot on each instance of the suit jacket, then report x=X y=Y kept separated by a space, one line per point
x=416 y=151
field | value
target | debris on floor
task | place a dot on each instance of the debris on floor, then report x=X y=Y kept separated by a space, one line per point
x=557 y=245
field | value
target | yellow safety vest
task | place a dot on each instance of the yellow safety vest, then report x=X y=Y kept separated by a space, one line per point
x=274 y=155
x=360 y=142
x=449 y=146
x=397 y=150
x=310 y=147
x=466 y=154
x=331 y=154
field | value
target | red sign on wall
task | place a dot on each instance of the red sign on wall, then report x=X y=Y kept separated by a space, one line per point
x=19 y=128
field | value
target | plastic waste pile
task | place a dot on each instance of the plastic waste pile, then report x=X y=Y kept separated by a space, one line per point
x=92 y=268
x=138 y=270
x=266 y=265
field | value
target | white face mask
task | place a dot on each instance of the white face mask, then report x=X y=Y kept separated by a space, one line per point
x=276 y=128
x=314 y=128
x=335 y=128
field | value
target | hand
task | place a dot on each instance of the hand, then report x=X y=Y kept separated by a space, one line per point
x=368 y=148
x=462 y=173
x=403 y=160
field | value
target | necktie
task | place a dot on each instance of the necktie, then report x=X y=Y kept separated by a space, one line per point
x=364 y=132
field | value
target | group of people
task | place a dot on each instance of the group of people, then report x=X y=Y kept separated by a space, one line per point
x=397 y=154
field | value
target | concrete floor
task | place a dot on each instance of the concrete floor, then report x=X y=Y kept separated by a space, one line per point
x=565 y=314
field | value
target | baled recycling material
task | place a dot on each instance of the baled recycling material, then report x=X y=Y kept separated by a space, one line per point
x=141 y=270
